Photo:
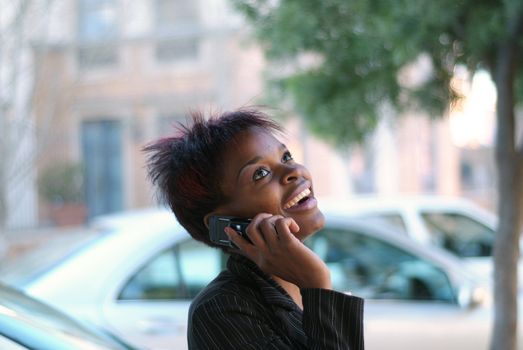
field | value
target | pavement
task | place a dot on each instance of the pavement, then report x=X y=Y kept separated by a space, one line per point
x=14 y=243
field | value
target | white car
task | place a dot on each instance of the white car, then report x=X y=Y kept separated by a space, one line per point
x=454 y=224
x=137 y=277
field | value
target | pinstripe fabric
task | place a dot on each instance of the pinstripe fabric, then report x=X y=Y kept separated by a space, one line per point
x=244 y=308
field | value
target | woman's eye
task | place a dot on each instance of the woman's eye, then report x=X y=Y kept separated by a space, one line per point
x=287 y=156
x=260 y=174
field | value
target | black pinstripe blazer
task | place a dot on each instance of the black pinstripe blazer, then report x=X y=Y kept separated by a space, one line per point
x=244 y=308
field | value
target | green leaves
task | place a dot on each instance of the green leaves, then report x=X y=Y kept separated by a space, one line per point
x=62 y=183
x=364 y=45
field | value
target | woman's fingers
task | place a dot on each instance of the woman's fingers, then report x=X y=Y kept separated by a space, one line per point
x=293 y=226
x=253 y=231
x=245 y=248
x=286 y=228
x=277 y=251
x=278 y=231
x=268 y=233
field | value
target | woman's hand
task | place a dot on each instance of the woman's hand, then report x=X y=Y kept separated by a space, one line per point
x=278 y=252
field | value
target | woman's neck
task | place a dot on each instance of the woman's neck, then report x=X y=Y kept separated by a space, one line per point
x=291 y=289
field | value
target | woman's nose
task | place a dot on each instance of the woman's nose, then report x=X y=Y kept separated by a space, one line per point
x=291 y=174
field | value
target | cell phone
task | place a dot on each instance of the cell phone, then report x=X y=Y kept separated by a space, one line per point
x=217 y=224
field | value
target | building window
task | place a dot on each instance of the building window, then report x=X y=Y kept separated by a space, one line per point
x=171 y=14
x=97 y=32
x=177 y=27
x=168 y=50
x=92 y=56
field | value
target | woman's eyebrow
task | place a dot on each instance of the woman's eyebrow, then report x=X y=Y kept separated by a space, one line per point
x=252 y=161
x=256 y=160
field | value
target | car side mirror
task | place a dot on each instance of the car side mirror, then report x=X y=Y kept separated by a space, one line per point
x=470 y=296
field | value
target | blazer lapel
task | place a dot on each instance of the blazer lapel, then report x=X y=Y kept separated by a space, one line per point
x=288 y=314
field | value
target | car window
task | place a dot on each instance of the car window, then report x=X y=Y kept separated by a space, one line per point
x=374 y=269
x=392 y=220
x=199 y=265
x=179 y=272
x=460 y=234
x=158 y=279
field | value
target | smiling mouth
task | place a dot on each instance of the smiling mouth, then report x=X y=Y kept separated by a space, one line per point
x=299 y=199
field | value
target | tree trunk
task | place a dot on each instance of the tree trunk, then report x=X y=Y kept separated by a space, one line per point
x=509 y=166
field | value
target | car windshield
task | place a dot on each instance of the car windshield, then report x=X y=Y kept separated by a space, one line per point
x=33 y=323
x=24 y=268
x=375 y=269
x=460 y=234
x=391 y=221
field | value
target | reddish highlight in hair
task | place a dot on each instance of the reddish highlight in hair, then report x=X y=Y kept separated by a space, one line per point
x=186 y=167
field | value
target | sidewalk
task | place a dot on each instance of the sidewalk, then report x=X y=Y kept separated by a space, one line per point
x=19 y=241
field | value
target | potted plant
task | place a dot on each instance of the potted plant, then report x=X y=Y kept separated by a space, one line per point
x=62 y=186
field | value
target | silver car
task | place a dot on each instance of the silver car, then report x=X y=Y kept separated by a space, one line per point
x=136 y=278
x=26 y=323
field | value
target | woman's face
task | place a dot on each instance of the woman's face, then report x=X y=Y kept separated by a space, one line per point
x=260 y=176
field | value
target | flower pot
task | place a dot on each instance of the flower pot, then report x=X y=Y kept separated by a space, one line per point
x=68 y=214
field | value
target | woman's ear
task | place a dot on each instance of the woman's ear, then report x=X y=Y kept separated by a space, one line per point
x=207 y=217
x=221 y=210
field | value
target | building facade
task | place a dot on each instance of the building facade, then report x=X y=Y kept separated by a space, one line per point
x=112 y=75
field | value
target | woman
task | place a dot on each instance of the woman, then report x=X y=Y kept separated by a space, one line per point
x=275 y=293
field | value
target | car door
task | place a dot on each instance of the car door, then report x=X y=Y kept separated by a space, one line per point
x=410 y=303
x=152 y=306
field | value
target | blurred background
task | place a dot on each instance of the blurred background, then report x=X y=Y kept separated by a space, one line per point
x=85 y=84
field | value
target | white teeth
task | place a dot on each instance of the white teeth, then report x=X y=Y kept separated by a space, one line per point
x=296 y=199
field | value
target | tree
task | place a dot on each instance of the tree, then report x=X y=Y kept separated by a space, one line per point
x=358 y=51
x=14 y=123
x=22 y=22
